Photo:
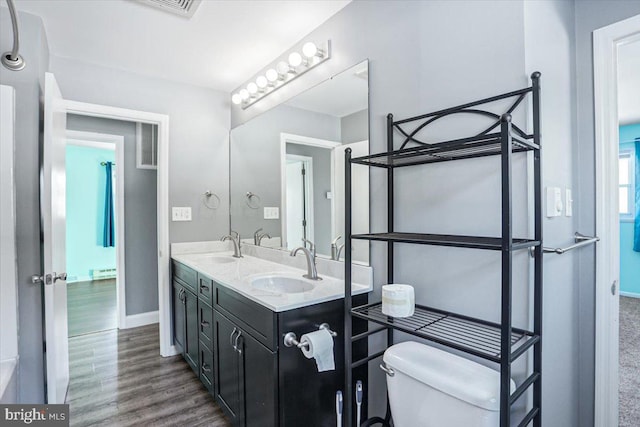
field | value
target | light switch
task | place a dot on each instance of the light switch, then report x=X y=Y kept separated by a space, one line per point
x=271 y=212
x=554 y=202
x=329 y=195
x=181 y=213
x=568 y=209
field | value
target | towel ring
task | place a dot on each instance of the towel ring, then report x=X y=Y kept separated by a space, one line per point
x=251 y=196
x=207 y=197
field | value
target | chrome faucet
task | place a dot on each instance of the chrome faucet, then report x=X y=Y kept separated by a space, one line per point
x=335 y=250
x=310 y=255
x=257 y=236
x=235 y=238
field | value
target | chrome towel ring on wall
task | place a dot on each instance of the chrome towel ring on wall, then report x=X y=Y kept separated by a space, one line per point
x=253 y=200
x=207 y=200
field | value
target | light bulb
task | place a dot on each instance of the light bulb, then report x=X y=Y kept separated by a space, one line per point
x=295 y=59
x=244 y=94
x=272 y=75
x=261 y=81
x=309 y=49
x=282 y=67
x=252 y=88
x=236 y=98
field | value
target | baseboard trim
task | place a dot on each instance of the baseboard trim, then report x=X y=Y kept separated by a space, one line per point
x=141 y=319
x=629 y=294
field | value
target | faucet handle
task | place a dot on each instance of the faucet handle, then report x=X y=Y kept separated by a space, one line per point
x=257 y=231
x=312 y=246
x=335 y=241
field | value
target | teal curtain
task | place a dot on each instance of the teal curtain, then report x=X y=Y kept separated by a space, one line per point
x=108 y=235
x=636 y=225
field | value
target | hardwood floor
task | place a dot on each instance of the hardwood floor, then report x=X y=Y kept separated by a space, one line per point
x=91 y=306
x=118 y=378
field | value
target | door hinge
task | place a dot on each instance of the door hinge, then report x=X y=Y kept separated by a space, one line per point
x=613 y=287
x=304 y=171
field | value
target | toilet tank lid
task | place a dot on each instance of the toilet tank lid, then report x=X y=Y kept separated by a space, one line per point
x=456 y=376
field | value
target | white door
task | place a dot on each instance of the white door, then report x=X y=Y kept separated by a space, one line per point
x=295 y=204
x=52 y=211
x=359 y=198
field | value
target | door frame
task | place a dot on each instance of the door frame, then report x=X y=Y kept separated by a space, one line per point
x=162 y=121
x=106 y=141
x=289 y=138
x=606 y=41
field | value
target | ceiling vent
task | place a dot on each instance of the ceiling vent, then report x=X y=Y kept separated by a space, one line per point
x=184 y=8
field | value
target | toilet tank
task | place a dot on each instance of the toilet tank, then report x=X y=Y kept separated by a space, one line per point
x=434 y=388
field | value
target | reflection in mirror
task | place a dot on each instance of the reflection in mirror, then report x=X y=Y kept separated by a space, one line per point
x=287 y=169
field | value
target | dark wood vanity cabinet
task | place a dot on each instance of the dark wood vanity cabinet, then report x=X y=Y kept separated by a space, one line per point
x=247 y=376
x=241 y=358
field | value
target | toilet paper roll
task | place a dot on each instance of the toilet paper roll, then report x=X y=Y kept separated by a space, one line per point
x=398 y=300
x=319 y=345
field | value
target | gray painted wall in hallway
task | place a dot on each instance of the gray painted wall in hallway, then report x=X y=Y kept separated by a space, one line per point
x=140 y=215
x=198 y=136
x=28 y=85
x=589 y=16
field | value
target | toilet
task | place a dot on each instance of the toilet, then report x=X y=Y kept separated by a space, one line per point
x=429 y=387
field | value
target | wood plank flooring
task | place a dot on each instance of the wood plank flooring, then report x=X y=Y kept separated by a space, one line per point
x=91 y=306
x=118 y=378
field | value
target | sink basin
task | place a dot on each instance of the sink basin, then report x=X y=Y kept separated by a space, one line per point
x=281 y=284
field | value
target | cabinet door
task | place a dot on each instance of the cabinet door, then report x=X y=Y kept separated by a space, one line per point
x=192 y=330
x=226 y=360
x=179 y=321
x=258 y=383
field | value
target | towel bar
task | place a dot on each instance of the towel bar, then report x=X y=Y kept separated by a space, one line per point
x=580 y=241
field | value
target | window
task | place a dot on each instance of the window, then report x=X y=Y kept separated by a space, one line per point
x=626 y=185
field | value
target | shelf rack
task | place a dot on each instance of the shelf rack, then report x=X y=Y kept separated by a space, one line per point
x=500 y=343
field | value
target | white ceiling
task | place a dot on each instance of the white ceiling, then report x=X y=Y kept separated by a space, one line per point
x=339 y=96
x=222 y=45
x=629 y=83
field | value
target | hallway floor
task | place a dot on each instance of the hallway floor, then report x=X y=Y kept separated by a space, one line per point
x=118 y=378
x=92 y=306
x=629 y=362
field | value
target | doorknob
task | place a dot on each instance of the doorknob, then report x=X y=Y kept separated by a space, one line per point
x=61 y=276
x=48 y=279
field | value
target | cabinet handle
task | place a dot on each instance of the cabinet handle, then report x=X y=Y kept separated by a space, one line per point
x=204 y=324
x=231 y=337
x=235 y=344
x=205 y=368
x=204 y=288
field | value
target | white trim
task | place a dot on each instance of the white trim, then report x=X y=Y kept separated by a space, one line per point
x=289 y=138
x=629 y=294
x=605 y=43
x=141 y=319
x=631 y=196
x=162 y=121
x=111 y=142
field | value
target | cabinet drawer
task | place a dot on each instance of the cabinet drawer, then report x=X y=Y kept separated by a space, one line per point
x=257 y=320
x=206 y=366
x=205 y=289
x=205 y=324
x=186 y=275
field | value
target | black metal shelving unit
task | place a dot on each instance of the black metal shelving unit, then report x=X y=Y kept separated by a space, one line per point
x=500 y=343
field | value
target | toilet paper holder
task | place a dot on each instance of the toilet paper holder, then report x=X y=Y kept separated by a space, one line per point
x=291 y=339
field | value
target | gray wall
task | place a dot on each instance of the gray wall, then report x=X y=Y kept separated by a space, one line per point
x=28 y=85
x=589 y=16
x=430 y=55
x=255 y=161
x=198 y=135
x=140 y=215
x=355 y=127
x=321 y=205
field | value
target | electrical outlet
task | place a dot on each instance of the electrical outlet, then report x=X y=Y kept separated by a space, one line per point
x=181 y=213
x=271 y=212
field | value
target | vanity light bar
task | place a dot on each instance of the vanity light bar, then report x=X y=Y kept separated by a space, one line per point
x=282 y=72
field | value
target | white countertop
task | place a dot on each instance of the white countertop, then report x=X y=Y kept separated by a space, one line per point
x=237 y=275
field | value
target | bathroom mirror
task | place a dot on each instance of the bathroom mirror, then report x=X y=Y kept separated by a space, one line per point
x=287 y=168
